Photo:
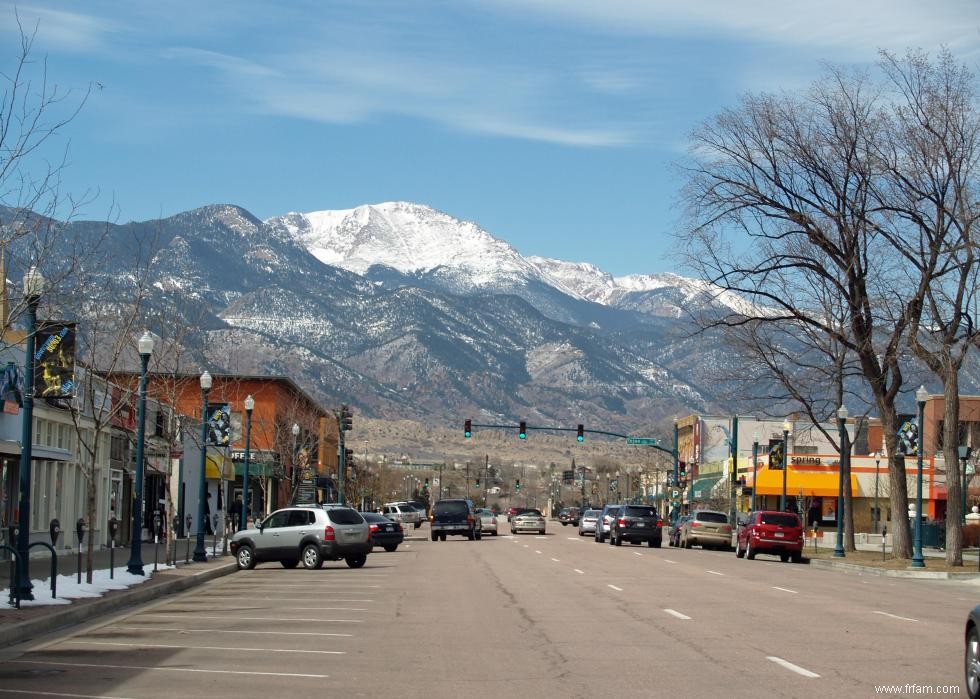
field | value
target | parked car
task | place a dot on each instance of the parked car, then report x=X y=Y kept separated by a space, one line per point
x=776 y=533
x=971 y=655
x=708 y=529
x=456 y=517
x=312 y=534
x=674 y=531
x=586 y=523
x=569 y=515
x=605 y=521
x=637 y=524
x=403 y=512
x=488 y=521
x=528 y=521
x=385 y=533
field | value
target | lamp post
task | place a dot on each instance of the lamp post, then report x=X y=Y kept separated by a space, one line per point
x=877 y=518
x=295 y=456
x=782 y=497
x=135 y=565
x=918 y=561
x=755 y=461
x=33 y=288
x=841 y=429
x=200 y=554
x=249 y=407
x=964 y=453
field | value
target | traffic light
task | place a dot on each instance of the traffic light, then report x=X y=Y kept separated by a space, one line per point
x=523 y=430
x=477 y=482
x=467 y=428
x=518 y=484
x=581 y=433
x=348 y=456
x=425 y=487
x=682 y=474
x=346 y=419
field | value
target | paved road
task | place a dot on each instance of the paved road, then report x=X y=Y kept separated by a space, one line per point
x=533 y=616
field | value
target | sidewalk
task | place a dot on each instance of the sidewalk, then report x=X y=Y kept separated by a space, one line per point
x=872 y=542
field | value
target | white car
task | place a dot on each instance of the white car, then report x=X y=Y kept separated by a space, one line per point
x=403 y=512
x=489 y=520
x=530 y=521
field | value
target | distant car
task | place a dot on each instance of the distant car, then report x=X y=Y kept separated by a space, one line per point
x=604 y=522
x=637 y=524
x=455 y=517
x=586 y=523
x=514 y=511
x=708 y=529
x=403 y=512
x=385 y=533
x=488 y=520
x=311 y=534
x=528 y=521
x=568 y=515
x=971 y=655
x=674 y=531
x=776 y=533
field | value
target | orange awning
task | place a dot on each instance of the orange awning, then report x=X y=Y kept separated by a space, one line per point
x=813 y=484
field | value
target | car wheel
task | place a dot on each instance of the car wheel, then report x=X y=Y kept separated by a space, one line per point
x=784 y=557
x=749 y=551
x=289 y=562
x=246 y=558
x=797 y=557
x=972 y=664
x=541 y=532
x=390 y=547
x=312 y=560
x=688 y=543
x=739 y=553
x=356 y=561
x=442 y=537
x=418 y=524
x=478 y=535
x=434 y=536
x=617 y=542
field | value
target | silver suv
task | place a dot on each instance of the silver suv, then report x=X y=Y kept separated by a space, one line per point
x=403 y=512
x=312 y=534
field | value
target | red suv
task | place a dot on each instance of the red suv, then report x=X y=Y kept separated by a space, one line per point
x=776 y=533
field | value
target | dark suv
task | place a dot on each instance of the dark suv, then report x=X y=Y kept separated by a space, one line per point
x=310 y=534
x=457 y=517
x=637 y=524
x=569 y=515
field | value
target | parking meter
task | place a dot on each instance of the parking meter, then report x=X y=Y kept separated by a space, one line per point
x=176 y=525
x=54 y=529
x=189 y=519
x=157 y=521
x=80 y=530
x=113 y=529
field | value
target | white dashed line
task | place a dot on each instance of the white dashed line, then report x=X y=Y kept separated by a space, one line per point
x=715 y=572
x=537 y=552
x=784 y=589
x=790 y=666
x=164 y=645
x=637 y=553
x=895 y=616
x=329 y=609
x=166 y=669
x=617 y=589
x=273 y=633
x=556 y=560
x=526 y=546
x=572 y=538
x=580 y=572
x=253 y=618
x=667 y=560
x=678 y=614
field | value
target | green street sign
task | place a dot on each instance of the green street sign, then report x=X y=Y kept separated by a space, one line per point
x=674 y=494
x=641 y=441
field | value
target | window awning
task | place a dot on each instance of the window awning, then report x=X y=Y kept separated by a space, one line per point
x=702 y=487
x=813 y=484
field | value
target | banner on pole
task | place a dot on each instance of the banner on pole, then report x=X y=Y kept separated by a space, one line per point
x=54 y=360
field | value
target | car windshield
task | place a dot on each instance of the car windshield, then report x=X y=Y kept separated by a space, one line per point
x=780 y=519
x=344 y=515
x=591 y=513
x=451 y=507
x=633 y=511
x=718 y=517
x=531 y=513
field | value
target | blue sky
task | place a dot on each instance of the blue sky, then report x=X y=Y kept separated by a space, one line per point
x=553 y=124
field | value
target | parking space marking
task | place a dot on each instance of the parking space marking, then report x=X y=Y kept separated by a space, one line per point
x=895 y=616
x=580 y=572
x=253 y=618
x=167 y=669
x=35 y=693
x=715 y=572
x=167 y=645
x=790 y=666
x=270 y=633
x=785 y=589
x=677 y=614
x=617 y=589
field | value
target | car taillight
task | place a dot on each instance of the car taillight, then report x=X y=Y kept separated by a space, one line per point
x=470 y=519
x=622 y=522
x=329 y=534
x=727 y=528
x=493 y=521
x=695 y=523
x=398 y=526
x=374 y=528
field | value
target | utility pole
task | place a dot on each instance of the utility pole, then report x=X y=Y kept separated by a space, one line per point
x=486 y=478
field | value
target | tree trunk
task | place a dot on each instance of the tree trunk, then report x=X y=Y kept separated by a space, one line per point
x=898 y=492
x=90 y=514
x=954 y=475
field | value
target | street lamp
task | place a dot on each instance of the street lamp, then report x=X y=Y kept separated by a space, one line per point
x=877 y=514
x=295 y=431
x=921 y=396
x=964 y=453
x=249 y=407
x=782 y=498
x=841 y=429
x=33 y=288
x=135 y=565
x=755 y=460
x=200 y=554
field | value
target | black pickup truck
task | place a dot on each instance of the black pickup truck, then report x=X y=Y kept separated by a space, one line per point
x=455 y=517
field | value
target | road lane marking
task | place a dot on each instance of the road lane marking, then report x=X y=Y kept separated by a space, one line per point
x=714 y=572
x=580 y=572
x=526 y=546
x=895 y=616
x=35 y=693
x=667 y=560
x=289 y=599
x=165 y=645
x=330 y=609
x=537 y=552
x=252 y=618
x=790 y=666
x=637 y=553
x=273 y=633
x=617 y=589
x=572 y=538
x=167 y=669
x=556 y=560
x=785 y=589
x=677 y=614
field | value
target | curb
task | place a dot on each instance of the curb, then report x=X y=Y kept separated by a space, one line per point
x=26 y=630
x=890 y=572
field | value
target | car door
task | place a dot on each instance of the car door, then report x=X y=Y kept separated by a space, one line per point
x=299 y=524
x=268 y=546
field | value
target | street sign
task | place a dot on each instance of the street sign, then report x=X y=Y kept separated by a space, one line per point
x=641 y=441
x=674 y=494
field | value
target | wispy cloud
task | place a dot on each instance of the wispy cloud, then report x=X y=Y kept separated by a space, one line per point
x=66 y=30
